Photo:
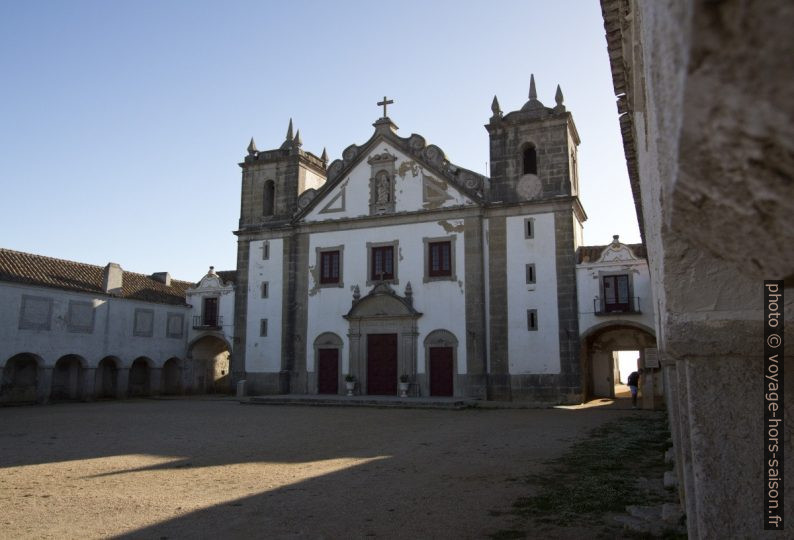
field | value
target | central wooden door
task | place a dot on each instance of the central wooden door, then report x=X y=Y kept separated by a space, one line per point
x=382 y=364
x=328 y=371
x=441 y=371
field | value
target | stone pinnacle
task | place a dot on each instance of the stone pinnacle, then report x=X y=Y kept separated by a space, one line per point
x=533 y=94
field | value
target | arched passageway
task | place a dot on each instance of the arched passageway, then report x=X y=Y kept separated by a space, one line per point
x=107 y=373
x=599 y=354
x=209 y=363
x=172 y=377
x=140 y=377
x=67 y=378
x=19 y=379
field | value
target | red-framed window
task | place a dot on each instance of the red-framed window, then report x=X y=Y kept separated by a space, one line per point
x=329 y=267
x=382 y=263
x=616 y=293
x=439 y=259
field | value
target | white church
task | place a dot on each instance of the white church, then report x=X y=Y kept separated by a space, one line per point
x=391 y=264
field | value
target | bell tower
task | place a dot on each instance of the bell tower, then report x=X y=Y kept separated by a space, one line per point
x=533 y=151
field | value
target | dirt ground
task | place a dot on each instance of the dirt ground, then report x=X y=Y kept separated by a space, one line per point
x=217 y=469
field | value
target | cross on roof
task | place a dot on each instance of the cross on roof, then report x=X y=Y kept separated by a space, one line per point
x=384 y=103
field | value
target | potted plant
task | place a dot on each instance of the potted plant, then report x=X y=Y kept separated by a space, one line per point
x=404 y=385
x=350 y=383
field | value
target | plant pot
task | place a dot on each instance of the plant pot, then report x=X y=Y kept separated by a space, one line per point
x=404 y=389
x=350 y=385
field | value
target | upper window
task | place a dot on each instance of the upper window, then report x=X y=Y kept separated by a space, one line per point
x=382 y=266
x=530 y=160
x=209 y=314
x=439 y=259
x=265 y=250
x=616 y=293
x=529 y=227
x=268 y=198
x=329 y=267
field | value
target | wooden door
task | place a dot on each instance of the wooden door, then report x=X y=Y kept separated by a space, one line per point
x=441 y=371
x=328 y=371
x=382 y=364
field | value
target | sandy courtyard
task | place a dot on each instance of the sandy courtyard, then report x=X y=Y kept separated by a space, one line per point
x=217 y=469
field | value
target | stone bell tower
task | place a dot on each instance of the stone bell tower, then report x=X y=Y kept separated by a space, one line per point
x=533 y=151
x=274 y=179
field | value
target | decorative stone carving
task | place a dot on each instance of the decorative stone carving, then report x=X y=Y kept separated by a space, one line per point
x=306 y=197
x=381 y=184
x=334 y=169
x=350 y=153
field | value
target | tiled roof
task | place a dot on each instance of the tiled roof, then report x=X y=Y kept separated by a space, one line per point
x=592 y=253
x=30 y=269
x=228 y=276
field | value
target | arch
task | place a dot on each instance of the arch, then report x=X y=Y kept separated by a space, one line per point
x=140 y=377
x=20 y=377
x=207 y=365
x=598 y=346
x=328 y=373
x=268 y=198
x=529 y=159
x=441 y=364
x=106 y=381
x=67 y=378
x=172 y=376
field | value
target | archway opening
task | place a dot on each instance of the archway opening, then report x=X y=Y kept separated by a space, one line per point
x=210 y=363
x=106 y=384
x=172 y=377
x=67 y=378
x=140 y=384
x=609 y=354
x=19 y=379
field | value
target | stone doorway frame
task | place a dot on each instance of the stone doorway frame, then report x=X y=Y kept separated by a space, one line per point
x=383 y=311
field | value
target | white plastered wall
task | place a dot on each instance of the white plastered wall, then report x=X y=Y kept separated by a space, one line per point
x=263 y=354
x=536 y=351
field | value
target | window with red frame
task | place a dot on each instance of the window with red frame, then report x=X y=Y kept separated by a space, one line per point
x=439 y=259
x=329 y=267
x=382 y=263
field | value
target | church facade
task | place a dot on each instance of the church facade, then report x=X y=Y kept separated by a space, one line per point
x=394 y=264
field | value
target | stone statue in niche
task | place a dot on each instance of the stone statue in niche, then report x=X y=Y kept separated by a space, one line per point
x=383 y=189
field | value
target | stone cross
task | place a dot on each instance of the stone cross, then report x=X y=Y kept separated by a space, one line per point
x=384 y=103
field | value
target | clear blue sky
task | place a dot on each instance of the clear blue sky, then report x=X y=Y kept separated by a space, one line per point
x=122 y=123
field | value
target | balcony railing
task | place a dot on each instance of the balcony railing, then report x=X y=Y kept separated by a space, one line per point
x=205 y=322
x=632 y=307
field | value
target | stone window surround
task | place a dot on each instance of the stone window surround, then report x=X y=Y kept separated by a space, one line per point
x=268 y=198
x=441 y=338
x=169 y=316
x=317 y=253
x=78 y=328
x=529 y=227
x=532 y=316
x=142 y=333
x=529 y=145
x=28 y=325
x=327 y=340
x=452 y=267
x=395 y=254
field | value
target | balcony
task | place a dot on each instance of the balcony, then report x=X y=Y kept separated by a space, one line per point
x=602 y=308
x=207 y=322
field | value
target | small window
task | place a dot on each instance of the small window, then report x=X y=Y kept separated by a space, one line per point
x=529 y=228
x=532 y=319
x=439 y=259
x=382 y=263
x=265 y=250
x=530 y=160
x=263 y=327
x=209 y=314
x=329 y=267
x=265 y=289
x=531 y=273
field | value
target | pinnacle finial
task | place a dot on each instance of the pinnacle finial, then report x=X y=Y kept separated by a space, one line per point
x=297 y=141
x=252 y=147
x=324 y=157
x=495 y=107
x=533 y=94
x=558 y=95
x=289 y=130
